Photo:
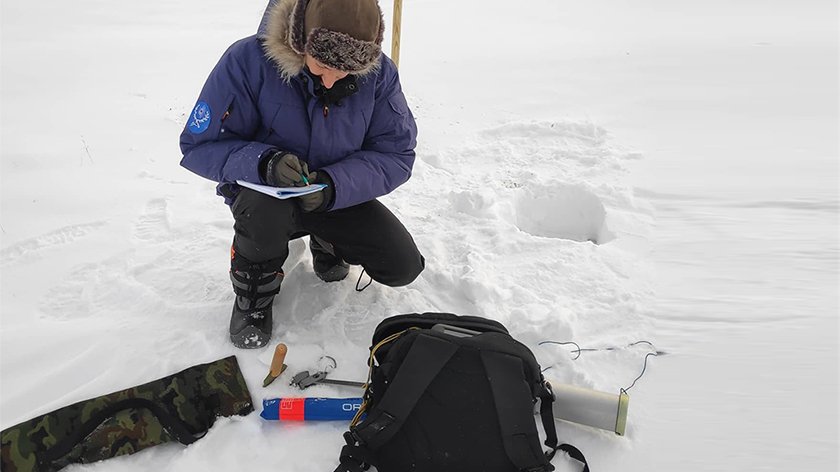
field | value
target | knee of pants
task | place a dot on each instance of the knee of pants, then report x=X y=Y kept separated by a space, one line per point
x=262 y=221
x=404 y=273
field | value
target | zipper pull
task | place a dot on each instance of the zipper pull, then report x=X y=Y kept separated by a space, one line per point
x=227 y=113
x=326 y=110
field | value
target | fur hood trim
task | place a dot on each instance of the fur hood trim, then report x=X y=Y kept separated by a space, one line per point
x=282 y=35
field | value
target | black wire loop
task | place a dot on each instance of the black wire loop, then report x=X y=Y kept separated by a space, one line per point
x=358 y=282
x=579 y=350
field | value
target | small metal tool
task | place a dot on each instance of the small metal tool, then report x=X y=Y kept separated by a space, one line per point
x=305 y=379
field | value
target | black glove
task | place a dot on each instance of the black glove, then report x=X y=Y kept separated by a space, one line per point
x=318 y=201
x=284 y=169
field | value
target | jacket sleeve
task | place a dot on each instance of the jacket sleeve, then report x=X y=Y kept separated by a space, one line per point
x=217 y=138
x=387 y=155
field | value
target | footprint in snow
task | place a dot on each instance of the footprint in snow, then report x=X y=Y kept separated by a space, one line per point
x=53 y=239
x=153 y=224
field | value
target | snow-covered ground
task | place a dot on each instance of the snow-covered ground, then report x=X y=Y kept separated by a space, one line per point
x=600 y=172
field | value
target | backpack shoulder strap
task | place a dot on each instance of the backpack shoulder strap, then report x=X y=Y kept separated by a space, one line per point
x=547 y=414
x=426 y=357
x=424 y=360
x=520 y=437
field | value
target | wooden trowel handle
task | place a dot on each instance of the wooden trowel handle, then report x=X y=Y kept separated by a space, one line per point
x=277 y=361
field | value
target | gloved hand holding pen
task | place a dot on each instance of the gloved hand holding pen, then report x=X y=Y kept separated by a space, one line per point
x=284 y=169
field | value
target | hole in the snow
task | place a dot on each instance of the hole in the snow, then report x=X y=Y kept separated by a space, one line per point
x=563 y=211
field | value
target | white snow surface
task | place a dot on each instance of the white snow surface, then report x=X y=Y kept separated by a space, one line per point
x=600 y=172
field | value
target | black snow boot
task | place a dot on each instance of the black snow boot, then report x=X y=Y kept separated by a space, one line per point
x=328 y=267
x=251 y=321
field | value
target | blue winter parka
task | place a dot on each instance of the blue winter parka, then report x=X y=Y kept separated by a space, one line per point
x=258 y=99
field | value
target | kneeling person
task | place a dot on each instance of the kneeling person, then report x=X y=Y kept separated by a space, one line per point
x=309 y=99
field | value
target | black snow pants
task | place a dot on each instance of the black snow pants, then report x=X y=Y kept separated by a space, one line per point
x=367 y=234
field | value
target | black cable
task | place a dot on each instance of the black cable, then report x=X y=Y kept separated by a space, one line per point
x=624 y=390
x=580 y=350
x=563 y=344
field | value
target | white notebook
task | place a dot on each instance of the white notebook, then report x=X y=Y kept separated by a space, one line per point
x=283 y=192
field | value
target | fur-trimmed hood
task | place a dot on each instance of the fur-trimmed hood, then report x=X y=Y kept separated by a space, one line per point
x=282 y=26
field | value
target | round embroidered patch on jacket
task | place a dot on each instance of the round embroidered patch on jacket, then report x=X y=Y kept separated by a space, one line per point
x=200 y=118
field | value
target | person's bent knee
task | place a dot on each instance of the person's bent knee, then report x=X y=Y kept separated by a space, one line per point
x=259 y=206
x=263 y=225
x=261 y=214
x=404 y=275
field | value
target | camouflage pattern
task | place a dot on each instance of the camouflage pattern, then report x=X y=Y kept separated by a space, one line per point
x=194 y=397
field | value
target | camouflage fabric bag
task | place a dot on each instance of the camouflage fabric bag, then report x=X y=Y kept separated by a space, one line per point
x=181 y=407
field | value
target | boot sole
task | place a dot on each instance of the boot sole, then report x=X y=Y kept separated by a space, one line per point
x=250 y=338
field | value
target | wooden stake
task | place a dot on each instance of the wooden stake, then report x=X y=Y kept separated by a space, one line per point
x=395 y=35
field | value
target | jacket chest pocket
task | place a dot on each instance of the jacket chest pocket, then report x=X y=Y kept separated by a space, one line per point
x=289 y=128
x=342 y=131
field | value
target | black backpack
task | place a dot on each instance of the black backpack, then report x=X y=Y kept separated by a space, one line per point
x=451 y=393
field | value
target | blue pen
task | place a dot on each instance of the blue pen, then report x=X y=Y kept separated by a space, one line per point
x=305 y=180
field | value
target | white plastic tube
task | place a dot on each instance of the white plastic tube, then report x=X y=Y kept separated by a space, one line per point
x=591 y=407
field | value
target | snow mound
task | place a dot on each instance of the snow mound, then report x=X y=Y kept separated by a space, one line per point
x=540 y=144
x=477 y=203
x=563 y=211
